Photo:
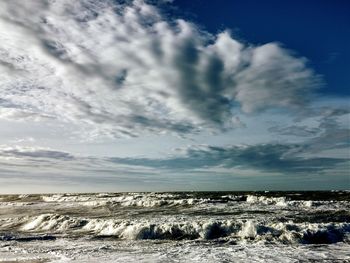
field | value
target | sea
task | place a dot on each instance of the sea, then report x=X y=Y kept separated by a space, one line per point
x=176 y=227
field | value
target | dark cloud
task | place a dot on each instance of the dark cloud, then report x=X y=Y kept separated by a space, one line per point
x=204 y=96
x=35 y=153
x=294 y=130
x=266 y=158
x=335 y=134
x=6 y=103
x=280 y=158
x=328 y=127
x=330 y=139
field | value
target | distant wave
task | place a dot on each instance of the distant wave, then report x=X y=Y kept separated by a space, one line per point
x=157 y=200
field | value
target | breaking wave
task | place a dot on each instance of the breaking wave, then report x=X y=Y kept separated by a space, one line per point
x=176 y=229
x=278 y=201
x=242 y=218
x=126 y=200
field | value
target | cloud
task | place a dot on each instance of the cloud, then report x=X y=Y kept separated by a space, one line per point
x=333 y=136
x=280 y=158
x=22 y=140
x=294 y=130
x=328 y=125
x=195 y=167
x=124 y=69
x=37 y=169
x=22 y=152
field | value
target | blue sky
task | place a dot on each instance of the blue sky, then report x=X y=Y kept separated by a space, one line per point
x=316 y=29
x=173 y=95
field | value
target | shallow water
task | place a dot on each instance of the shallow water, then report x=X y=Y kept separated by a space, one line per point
x=176 y=227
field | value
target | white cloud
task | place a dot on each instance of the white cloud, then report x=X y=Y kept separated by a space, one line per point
x=122 y=70
x=23 y=140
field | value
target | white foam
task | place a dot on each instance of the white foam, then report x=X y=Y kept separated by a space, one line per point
x=175 y=228
x=108 y=251
x=51 y=222
x=280 y=201
x=248 y=230
x=146 y=200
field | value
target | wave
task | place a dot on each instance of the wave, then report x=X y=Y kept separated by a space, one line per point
x=195 y=204
x=153 y=200
x=178 y=229
x=279 y=201
x=139 y=200
x=162 y=199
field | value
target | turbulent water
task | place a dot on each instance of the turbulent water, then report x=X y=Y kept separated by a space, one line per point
x=176 y=227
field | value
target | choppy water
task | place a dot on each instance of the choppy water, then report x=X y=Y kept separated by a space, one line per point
x=176 y=227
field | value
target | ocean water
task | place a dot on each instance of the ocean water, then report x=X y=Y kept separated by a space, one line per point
x=176 y=227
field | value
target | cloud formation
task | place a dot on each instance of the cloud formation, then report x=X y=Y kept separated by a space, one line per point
x=279 y=158
x=265 y=158
x=124 y=69
x=195 y=167
x=33 y=153
x=295 y=130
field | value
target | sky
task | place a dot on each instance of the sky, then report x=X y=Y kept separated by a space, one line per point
x=108 y=96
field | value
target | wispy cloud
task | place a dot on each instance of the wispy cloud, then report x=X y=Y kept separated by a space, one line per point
x=124 y=69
